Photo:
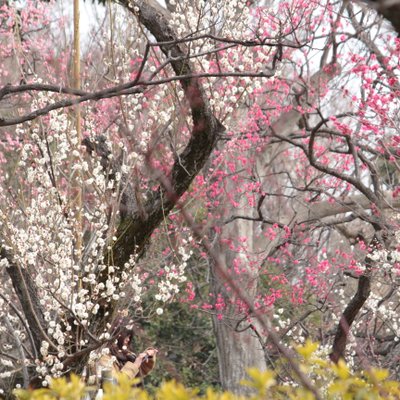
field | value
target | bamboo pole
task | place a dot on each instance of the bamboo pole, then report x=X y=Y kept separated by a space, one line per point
x=77 y=183
x=77 y=85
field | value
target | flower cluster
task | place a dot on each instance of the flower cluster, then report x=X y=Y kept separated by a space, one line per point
x=174 y=274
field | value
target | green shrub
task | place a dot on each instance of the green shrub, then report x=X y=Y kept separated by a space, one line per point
x=333 y=381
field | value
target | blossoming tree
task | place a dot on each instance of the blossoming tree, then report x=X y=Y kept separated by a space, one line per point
x=305 y=228
x=77 y=215
x=274 y=120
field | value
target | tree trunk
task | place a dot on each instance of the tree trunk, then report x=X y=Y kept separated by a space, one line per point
x=237 y=351
x=238 y=346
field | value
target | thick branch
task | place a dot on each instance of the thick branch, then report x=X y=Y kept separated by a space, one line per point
x=134 y=231
x=135 y=228
x=356 y=303
x=349 y=315
x=390 y=9
x=27 y=293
